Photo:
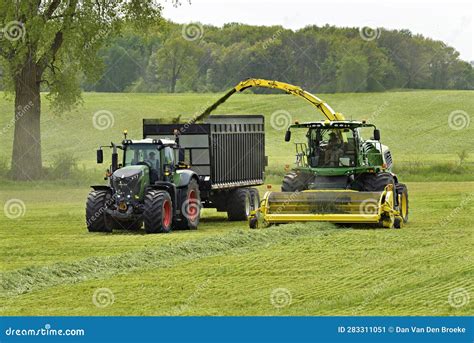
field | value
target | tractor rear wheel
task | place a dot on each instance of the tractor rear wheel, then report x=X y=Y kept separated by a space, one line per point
x=402 y=192
x=238 y=204
x=190 y=206
x=294 y=182
x=158 y=212
x=96 y=218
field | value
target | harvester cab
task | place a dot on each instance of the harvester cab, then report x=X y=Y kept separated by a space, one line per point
x=152 y=186
x=336 y=148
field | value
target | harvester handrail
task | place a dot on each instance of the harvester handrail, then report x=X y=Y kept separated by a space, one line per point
x=320 y=104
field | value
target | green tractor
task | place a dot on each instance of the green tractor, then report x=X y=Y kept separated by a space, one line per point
x=148 y=188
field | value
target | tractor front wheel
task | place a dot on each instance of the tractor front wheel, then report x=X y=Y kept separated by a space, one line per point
x=158 y=212
x=96 y=218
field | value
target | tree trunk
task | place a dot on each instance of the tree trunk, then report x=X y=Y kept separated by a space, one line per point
x=26 y=156
x=173 y=84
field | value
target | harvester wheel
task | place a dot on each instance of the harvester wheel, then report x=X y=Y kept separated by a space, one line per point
x=402 y=193
x=293 y=182
x=190 y=205
x=158 y=212
x=96 y=218
x=238 y=204
x=375 y=182
x=254 y=199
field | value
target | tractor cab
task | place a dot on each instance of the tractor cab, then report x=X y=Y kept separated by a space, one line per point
x=158 y=155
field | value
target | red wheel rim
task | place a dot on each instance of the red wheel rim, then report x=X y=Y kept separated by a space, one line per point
x=166 y=214
x=192 y=206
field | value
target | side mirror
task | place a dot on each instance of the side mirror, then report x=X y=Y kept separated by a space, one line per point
x=287 y=136
x=376 y=134
x=100 y=156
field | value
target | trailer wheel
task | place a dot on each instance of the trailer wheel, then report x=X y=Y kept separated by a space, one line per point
x=158 y=212
x=254 y=199
x=190 y=206
x=96 y=218
x=238 y=204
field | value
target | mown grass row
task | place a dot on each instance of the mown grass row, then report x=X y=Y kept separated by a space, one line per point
x=33 y=278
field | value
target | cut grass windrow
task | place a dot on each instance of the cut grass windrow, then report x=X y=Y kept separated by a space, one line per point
x=35 y=278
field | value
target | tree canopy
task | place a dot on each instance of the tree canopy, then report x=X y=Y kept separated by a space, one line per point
x=321 y=59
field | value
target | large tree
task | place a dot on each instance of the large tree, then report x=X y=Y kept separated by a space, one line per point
x=49 y=44
x=178 y=58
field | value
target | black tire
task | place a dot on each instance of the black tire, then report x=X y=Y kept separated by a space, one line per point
x=294 y=182
x=375 y=182
x=158 y=212
x=253 y=223
x=403 y=206
x=397 y=224
x=254 y=199
x=96 y=218
x=238 y=205
x=189 y=203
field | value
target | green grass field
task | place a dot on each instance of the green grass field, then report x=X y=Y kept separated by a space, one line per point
x=51 y=265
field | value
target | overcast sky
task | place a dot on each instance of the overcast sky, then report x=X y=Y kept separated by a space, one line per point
x=449 y=21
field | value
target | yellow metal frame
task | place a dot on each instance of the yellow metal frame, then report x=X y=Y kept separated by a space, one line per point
x=385 y=216
x=320 y=104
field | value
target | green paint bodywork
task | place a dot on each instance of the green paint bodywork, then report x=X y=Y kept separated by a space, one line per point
x=144 y=178
x=370 y=161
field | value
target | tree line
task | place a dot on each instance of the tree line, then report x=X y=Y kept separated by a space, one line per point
x=196 y=58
